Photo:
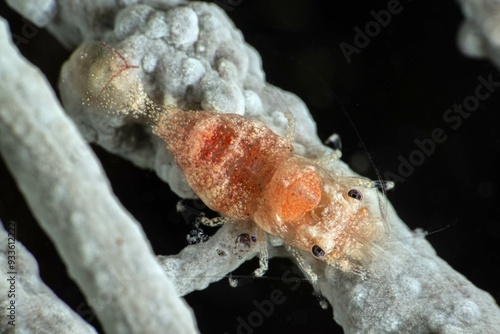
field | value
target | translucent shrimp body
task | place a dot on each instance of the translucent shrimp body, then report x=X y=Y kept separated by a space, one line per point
x=242 y=169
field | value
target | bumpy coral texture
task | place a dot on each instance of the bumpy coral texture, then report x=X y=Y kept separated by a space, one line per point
x=191 y=57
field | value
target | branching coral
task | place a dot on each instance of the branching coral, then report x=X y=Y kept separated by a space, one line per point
x=74 y=204
x=207 y=66
x=45 y=312
x=479 y=34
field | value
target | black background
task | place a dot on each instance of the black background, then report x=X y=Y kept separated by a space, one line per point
x=395 y=90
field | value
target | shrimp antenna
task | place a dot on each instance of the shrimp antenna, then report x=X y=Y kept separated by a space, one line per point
x=439 y=229
x=380 y=184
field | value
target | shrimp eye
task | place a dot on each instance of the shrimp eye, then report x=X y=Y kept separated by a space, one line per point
x=356 y=194
x=318 y=252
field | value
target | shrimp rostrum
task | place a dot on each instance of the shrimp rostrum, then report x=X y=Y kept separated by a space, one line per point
x=242 y=169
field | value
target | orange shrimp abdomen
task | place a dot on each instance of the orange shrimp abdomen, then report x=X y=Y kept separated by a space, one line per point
x=227 y=159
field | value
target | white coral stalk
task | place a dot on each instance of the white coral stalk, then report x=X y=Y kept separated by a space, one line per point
x=103 y=247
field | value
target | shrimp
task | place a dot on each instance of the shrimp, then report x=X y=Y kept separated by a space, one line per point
x=243 y=170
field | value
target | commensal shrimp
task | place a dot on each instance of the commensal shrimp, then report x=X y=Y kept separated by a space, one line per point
x=243 y=170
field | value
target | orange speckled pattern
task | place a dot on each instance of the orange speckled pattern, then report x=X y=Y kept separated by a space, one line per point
x=240 y=168
x=227 y=159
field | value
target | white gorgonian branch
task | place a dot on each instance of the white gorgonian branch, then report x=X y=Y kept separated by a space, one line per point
x=103 y=247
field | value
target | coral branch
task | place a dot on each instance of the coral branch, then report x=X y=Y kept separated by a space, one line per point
x=196 y=266
x=103 y=247
x=45 y=312
x=479 y=35
x=410 y=290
